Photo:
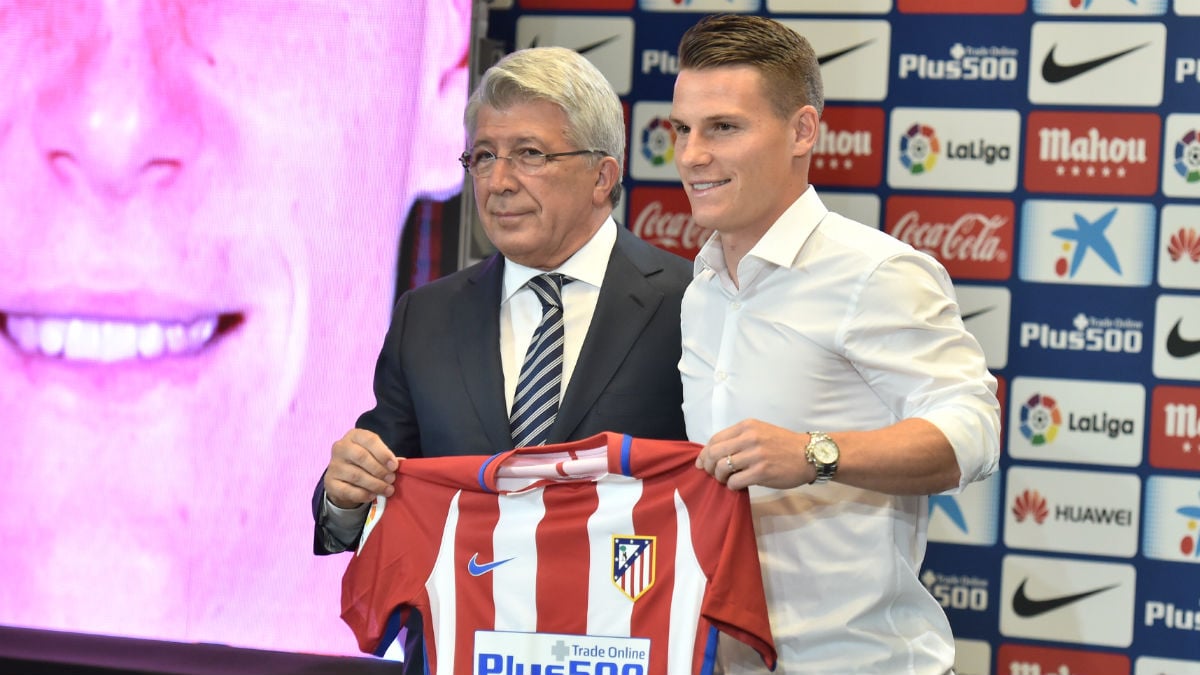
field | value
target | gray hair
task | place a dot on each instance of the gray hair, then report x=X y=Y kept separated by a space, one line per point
x=560 y=76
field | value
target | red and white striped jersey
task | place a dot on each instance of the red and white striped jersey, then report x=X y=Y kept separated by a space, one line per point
x=610 y=554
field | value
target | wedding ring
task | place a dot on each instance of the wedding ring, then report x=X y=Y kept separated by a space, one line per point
x=729 y=463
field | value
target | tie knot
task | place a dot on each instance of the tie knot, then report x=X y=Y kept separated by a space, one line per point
x=548 y=288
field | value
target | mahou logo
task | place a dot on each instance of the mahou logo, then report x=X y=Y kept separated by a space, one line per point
x=663 y=217
x=1093 y=153
x=973 y=238
x=1175 y=428
x=849 y=150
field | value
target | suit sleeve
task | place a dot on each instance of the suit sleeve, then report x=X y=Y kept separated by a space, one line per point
x=394 y=415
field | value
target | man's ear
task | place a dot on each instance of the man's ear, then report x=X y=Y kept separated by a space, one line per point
x=609 y=175
x=807 y=125
x=444 y=90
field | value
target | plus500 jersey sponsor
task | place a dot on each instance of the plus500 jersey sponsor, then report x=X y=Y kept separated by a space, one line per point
x=511 y=653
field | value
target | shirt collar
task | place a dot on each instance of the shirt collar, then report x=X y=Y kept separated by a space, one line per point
x=780 y=244
x=588 y=264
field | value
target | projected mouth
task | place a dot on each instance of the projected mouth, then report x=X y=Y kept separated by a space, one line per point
x=108 y=340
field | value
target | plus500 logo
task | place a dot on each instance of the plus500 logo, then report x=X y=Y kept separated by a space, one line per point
x=1115 y=339
x=953 y=591
x=987 y=68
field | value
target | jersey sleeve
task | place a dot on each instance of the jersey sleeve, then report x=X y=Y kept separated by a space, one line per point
x=734 y=602
x=386 y=578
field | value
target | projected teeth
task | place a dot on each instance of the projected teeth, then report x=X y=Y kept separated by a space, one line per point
x=108 y=340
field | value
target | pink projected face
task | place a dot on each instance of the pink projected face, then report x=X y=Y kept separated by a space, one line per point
x=200 y=205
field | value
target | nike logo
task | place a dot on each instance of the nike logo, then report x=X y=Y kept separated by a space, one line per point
x=1179 y=347
x=978 y=312
x=826 y=58
x=584 y=49
x=477 y=569
x=1055 y=72
x=1025 y=606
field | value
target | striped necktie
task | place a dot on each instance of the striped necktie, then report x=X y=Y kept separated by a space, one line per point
x=536 y=401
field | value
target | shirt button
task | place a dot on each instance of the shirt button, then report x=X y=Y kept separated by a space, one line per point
x=721 y=376
x=735 y=305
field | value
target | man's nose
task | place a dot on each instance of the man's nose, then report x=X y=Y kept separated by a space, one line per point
x=118 y=111
x=504 y=176
x=690 y=151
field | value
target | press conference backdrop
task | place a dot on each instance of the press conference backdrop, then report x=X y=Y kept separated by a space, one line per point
x=1048 y=154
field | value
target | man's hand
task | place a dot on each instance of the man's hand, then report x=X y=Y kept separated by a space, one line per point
x=756 y=453
x=361 y=467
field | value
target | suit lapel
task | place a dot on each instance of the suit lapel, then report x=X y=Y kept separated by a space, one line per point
x=477 y=333
x=627 y=302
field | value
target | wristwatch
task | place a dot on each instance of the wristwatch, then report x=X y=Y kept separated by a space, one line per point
x=823 y=454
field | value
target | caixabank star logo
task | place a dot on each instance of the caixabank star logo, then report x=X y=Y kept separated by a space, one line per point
x=1172 y=519
x=1090 y=243
x=1089 y=8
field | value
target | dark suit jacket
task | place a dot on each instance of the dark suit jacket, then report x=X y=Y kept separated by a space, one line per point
x=439 y=387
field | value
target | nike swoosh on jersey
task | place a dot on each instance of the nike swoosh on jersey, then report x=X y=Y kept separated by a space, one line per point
x=826 y=58
x=1180 y=347
x=1056 y=73
x=476 y=569
x=1025 y=606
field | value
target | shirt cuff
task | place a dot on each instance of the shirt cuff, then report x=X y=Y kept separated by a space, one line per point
x=341 y=527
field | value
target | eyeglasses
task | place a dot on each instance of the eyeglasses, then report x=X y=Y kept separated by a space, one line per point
x=527 y=160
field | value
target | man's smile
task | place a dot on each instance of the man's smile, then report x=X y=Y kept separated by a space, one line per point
x=700 y=187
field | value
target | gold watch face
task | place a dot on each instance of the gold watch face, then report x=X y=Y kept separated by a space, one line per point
x=825 y=451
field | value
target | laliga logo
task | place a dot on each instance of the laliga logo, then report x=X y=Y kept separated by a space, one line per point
x=1040 y=419
x=919 y=148
x=1187 y=156
x=658 y=142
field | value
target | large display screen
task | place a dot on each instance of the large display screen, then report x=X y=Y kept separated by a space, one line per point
x=200 y=208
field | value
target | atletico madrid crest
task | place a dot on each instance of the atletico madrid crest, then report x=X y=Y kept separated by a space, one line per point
x=633 y=564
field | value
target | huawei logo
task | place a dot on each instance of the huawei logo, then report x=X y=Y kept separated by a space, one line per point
x=1030 y=504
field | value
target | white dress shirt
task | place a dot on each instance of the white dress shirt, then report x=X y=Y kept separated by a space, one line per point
x=521 y=311
x=520 y=314
x=837 y=326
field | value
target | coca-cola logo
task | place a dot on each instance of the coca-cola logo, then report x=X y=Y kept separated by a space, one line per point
x=669 y=229
x=972 y=236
